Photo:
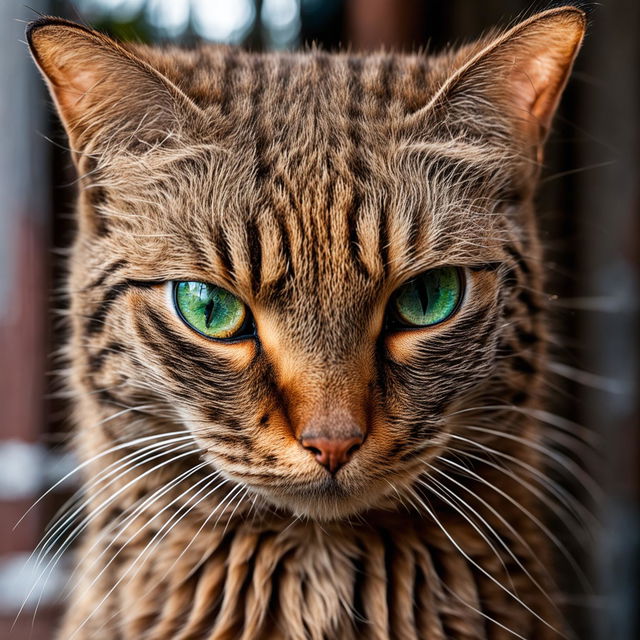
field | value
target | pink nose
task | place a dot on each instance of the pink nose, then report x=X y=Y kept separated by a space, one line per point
x=332 y=452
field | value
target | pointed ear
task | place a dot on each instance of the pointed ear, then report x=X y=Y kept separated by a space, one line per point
x=103 y=92
x=520 y=74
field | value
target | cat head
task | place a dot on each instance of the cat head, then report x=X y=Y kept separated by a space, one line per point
x=313 y=263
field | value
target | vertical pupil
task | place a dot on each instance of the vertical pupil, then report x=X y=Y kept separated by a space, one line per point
x=208 y=313
x=423 y=295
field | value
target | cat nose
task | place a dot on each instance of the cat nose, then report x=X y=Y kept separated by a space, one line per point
x=332 y=452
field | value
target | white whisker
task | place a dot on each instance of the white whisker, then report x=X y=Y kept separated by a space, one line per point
x=84 y=464
x=563 y=461
x=462 y=552
x=510 y=528
x=84 y=523
x=136 y=509
x=553 y=538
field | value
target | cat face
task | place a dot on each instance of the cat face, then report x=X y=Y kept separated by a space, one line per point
x=316 y=264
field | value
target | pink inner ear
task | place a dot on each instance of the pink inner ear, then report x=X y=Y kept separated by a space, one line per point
x=82 y=81
x=73 y=88
x=99 y=85
x=536 y=86
x=544 y=55
x=74 y=64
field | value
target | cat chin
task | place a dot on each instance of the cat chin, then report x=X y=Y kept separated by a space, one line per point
x=327 y=502
x=321 y=509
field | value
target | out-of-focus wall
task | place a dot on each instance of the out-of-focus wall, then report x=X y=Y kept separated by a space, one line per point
x=24 y=264
x=608 y=286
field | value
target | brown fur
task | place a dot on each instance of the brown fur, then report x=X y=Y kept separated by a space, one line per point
x=312 y=186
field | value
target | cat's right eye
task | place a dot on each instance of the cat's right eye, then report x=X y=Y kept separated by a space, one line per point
x=212 y=311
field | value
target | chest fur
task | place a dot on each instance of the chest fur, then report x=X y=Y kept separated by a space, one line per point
x=278 y=580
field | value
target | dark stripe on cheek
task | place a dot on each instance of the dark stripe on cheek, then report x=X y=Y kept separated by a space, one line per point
x=414 y=453
x=100 y=226
x=229 y=439
x=397 y=448
x=97 y=360
x=270 y=459
x=177 y=368
x=107 y=271
x=107 y=398
x=473 y=327
x=197 y=355
x=203 y=378
x=96 y=321
x=96 y=196
x=237 y=458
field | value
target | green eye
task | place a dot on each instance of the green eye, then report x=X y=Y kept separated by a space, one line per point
x=428 y=299
x=210 y=310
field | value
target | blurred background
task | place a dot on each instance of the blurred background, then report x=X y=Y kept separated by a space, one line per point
x=589 y=209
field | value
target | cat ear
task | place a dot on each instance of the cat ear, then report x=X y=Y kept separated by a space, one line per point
x=520 y=74
x=103 y=92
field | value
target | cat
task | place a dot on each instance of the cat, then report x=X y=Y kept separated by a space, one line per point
x=308 y=338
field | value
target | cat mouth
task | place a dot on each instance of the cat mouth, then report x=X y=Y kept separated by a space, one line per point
x=329 y=498
x=329 y=487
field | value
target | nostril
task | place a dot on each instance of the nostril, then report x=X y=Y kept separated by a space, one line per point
x=332 y=452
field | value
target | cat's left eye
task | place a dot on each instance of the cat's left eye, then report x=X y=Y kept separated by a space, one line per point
x=428 y=299
x=212 y=311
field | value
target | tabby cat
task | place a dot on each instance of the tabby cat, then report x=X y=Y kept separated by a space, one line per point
x=308 y=338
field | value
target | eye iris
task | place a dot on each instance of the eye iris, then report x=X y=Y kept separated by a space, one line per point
x=211 y=310
x=430 y=298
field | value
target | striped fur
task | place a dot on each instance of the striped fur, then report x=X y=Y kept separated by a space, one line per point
x=311 y=185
